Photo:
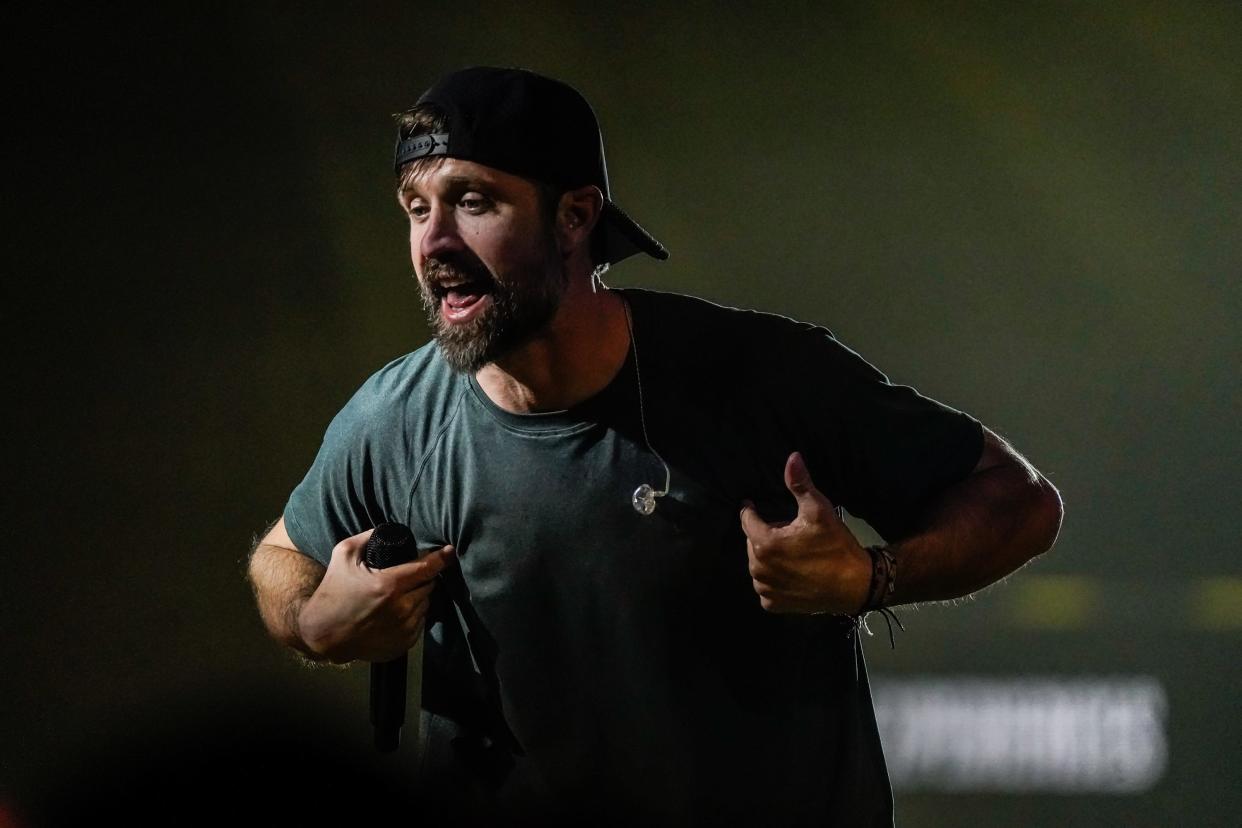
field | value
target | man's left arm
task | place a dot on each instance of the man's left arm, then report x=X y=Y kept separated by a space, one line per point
x=978 y=530
x=973 y=533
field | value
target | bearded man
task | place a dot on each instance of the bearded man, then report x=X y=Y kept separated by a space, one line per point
x=637 y=599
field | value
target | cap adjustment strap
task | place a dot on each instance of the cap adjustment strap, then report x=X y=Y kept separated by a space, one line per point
x=421 y=146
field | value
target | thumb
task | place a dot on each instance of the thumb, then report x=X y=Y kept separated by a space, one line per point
x=413 y=574
x=812 y=503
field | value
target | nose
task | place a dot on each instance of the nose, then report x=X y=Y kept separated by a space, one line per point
x=438 y=234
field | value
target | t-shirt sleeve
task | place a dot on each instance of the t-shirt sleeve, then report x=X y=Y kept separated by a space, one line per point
x=340 y=495
x=890 y=449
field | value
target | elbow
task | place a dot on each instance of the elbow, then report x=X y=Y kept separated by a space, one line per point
x=1047 y=514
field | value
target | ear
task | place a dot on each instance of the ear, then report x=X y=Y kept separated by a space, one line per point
x=576 y=215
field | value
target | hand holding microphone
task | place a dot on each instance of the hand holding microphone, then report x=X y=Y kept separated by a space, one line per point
x=371 y=605
x=362 y=613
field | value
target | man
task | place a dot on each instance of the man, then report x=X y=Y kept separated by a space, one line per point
x=640 y=602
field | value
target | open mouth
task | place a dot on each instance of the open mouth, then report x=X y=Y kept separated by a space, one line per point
x=461 y=301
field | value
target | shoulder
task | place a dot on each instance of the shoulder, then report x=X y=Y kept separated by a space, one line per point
x=409 y=397
x=674 y=312
x=740 y=336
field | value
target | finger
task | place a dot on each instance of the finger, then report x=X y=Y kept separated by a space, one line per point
x=422 y=592
x=770 y=601
x=812 y=503
x=756 y=567
x=417 y=615
x=422 y=572
x=414 y=574
x=351 y=548
x=755 y=527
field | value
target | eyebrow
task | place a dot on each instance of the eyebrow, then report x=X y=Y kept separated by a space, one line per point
x=468 y=181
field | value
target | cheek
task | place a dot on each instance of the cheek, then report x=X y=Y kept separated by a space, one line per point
x=532 y=246
x=496 y=252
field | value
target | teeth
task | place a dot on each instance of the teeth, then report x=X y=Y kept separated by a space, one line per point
x=442 y=288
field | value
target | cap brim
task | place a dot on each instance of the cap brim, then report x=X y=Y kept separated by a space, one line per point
x=623 y=237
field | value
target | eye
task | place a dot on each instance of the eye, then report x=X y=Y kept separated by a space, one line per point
x=417 y=209
x=474 y=203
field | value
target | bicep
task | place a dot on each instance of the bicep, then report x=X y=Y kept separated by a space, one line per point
x=278 y=535
x=282 y=577
x=278 y=567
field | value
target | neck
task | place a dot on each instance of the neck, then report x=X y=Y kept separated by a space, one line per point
x=574 y=358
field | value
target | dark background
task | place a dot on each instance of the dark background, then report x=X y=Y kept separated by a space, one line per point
x=1029 y=213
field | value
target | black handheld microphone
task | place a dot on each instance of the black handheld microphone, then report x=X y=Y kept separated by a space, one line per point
x=390 y=544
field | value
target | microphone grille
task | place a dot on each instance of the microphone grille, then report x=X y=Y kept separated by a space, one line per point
x=390 y=544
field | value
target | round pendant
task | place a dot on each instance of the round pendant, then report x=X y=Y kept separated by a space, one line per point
x=644 y=499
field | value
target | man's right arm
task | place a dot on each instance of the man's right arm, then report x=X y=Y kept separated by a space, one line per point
x=345 y=611
x=283 y=579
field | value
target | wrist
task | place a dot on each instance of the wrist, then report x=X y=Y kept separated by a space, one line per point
x=307 y=635
x=856 y=581
x=883 y=579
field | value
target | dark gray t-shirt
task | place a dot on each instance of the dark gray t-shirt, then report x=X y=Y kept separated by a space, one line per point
x=619 y=666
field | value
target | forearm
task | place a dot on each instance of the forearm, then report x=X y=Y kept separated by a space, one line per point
x=283 y=580
x=976 y=533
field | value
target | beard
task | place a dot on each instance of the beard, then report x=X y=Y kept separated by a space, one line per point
x=522 y=304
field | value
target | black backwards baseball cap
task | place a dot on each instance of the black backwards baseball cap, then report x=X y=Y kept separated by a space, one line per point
x=533 y=126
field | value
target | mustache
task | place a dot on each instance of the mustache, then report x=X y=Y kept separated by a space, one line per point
x=439 y=271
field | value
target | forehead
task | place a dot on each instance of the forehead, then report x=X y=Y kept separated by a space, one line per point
x=434 y=175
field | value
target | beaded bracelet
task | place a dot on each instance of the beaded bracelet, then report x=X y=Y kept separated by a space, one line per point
x=883 y=582
x=883 y=578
